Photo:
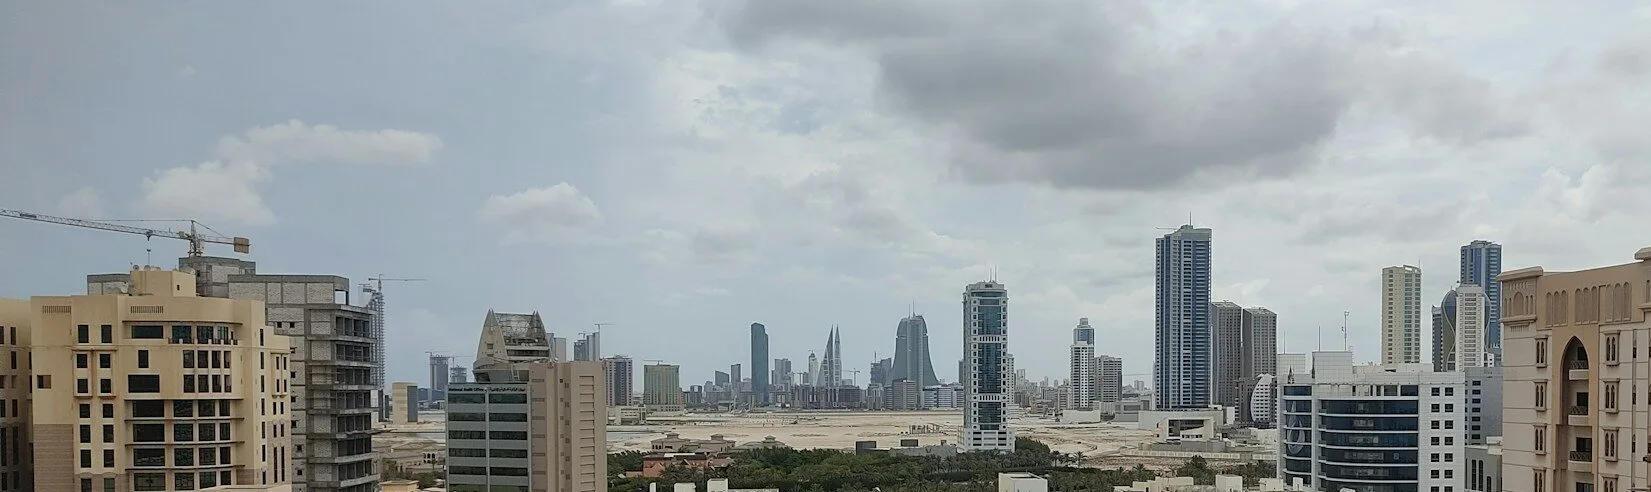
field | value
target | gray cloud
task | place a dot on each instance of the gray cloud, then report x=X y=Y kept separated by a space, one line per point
x=1080 y=95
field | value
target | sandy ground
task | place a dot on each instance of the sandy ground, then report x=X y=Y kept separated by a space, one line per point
x=841 y=429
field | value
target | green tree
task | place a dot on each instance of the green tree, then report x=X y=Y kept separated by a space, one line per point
x=1199 y=469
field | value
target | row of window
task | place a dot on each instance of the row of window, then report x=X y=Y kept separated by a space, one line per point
x=485 y=417
x=188 y=432
x=106 y=360
x=497 y=471
x=480 y=435
x=453 y=398
x=182 y=480
x=486 y=453
x=135 y=383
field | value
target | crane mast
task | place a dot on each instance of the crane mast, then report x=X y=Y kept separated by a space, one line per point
x=197 y=240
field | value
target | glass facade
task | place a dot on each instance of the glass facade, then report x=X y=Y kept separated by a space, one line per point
x=1182 y=365
x=1481 y=263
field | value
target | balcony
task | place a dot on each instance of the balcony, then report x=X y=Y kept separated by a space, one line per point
x=1577 y=370
x=1578 y=416
x=1580 y=461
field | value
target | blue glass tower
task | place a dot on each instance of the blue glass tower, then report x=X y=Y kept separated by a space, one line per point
x=759 y=363
x=1181 y=368
x=1481 y=263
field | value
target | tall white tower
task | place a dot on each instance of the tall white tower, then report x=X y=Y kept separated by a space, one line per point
x=985 y=355
x=1083 y=364
x=1472 y=339
x=1401 y=315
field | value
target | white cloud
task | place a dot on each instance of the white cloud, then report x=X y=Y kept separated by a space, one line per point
x=554 y=214
x=185 y=72
x=297 y=142
x=210 y=192
x=84 y=202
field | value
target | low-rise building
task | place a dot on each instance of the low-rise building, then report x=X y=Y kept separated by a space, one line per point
x=1485 y=466
x=1021 y=482
x=654 y=465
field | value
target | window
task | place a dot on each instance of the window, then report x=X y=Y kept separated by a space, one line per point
x=106 y=334
x=1542 y=352
x=1611 y=351
x=1434 y=391
x=85 y=434
x=1540 y=479
x=148 y=409
x=1450 y=407
x=149 y=482
x=189 y=359
x=108 y=410
x=183 y=432
x=108 y=458
x=1609 y=449
x=143 y=359
x=149 y=458
x=1450 y=391
x=82 y=361
x=148 y=332
x=1541 y=396
x=43 y=381
x=1540 y=441
x=148 y=432
x=85 y=485
x=83 y=385
x=105 y=386
x=85 y=410
x=188 y=383
x=108 y=434
x=183 y=457
x=86 y=462
x=143 y=383
x=83 y=334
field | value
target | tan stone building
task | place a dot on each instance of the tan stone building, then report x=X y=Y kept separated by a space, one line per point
x=1575 y=347
x=16 y=464
x=154 y=389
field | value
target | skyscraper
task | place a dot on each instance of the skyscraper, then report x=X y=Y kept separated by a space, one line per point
x=1227 y=354
x=1472 y=347
x=661 y=385
x=1444 y=333
x=1481 y=263
x=911 y=352
x=882 y=372
x=986 y=354
x=620 y=380
x=759 y=363
x=813 y=370
x=1083 y=368
x=1181 y=366
x=1401 y=315
x=1111 y=386
x=782 y=374
x=439 y=373
x=831 y=368
x=1260 y=343
x=588 y=348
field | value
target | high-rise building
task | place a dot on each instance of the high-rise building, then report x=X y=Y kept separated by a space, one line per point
x=338 y=363
x=588 y=348
x=145 y=386
x=1396 y=427
x=458 y=374
x=513 y=337
x=986 y=357
x=1481 y=262
x=1401 y=315
x=905 y=394
x=1262 y=399
x=1083 y=368
x=831 y=367
x=813 y=370
x=1227 y=354
x=911 y=352
x=620 y=382
x=661 y=385
x=1111 y=385
x=736 y=376
x=1472 y=345
x=882 y=372
x=1260 y=337
x=783 y=376
x=1484 y=403
x=404 y=397
x=721 y=378
x=1181 y=366
x=1444 y=333
x=1574 y=365
x=559 y=349
x=530 y=426
x=759 y=364
x=440 y=368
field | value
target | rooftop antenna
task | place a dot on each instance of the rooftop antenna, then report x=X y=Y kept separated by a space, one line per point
x=1321 y=337
x=1344 y=346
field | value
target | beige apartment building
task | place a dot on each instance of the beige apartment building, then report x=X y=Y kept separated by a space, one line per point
x=16 y=467
x=153 y=389
x=1575 y=349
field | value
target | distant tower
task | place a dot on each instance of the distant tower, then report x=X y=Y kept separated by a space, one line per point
x=1401 y=315
x=1444 y=334
x=986 y=350
x=621 y=380
x=1481 y=263
x=1111 y=385
x=458 y=375
x=439 y=373
x=1083 y=367
x=1181 y=366
x=911 y=352
x=1472 y=339
x=759 y=363
x=813 y=370
x=832 y=366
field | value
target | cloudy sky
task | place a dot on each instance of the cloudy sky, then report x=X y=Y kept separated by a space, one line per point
x=683 y=168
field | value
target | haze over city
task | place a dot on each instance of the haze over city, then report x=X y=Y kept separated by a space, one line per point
x=684 y=169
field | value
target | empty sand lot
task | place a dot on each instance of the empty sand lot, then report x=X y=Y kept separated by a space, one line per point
x=840 y=430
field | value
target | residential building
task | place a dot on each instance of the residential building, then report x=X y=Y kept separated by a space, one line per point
x=911 y=352
x=1083 y=368
x=759 y=364
x=783 y=377
x=813 y=370
x=943 y=396
x=1111 y=385
x=440 y=368
x=1481 y=262
x=145 y=386
x=882 y=371
x=1444 y=333
x=404 y=401
x=1484 y=403
x=337 y=361
x=1472 y=339
x=905 y=394
x=1181 y=364
x=1262 y=399
x=1391 y=427
x=529 y=426
x=16 y=462
x=1260 y=339
x=986 y=359
x=662 y=386
x=620 y=380
x=559 y=349
x=1401 y=314
x=1484 y=470
x=1572 y=375
x=831 y=367
x=588 y=348
x=1227 y=354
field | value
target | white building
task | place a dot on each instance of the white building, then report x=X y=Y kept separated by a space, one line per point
x=1262 y=400
x=943 y=396
x=1472 y=339
x=1401 y=315
x=1083 y=368
x=986 y=361
x=1021 y=482
x=1397 y=427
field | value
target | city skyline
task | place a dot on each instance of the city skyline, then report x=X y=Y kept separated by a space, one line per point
x=807 y=201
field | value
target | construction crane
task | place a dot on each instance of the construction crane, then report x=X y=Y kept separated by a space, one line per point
x=197 y=240
x=855 y=381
